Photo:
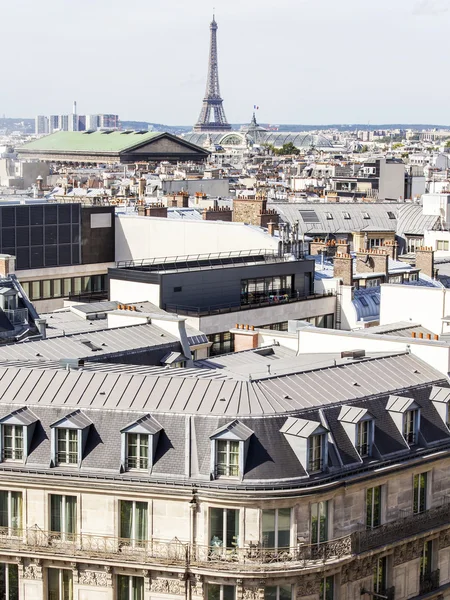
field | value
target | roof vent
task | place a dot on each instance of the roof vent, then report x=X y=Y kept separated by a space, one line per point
x=353 y=354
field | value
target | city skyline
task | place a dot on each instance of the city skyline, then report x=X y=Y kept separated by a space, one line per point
x=310 y=62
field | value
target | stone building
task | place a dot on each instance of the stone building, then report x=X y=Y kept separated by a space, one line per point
x=323 y=484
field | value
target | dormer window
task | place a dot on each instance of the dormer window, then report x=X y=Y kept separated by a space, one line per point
x=316 y=445
x=139 y=443
x=308 y=440
x=16 y=434
x=405 y=413
x=229 y=447
x=69 y=437
x=358 y=424
x=440 y=397
x=410 y=426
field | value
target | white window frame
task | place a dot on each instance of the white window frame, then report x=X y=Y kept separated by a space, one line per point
x=278 y=589
x=224 y=529
x=221 y=586
x=369 y=434
x=138 y=456
x=227 y=465
x=276 y=527
x=441 y=243
x=60 y=582
x=370 y=283
x=415 y=428
x=134 y=542
x=130 y=579
x=11 y=529
x=66 y=462
x=14 y=443
x=312 y=448
x=63 y=534
x=376 y=242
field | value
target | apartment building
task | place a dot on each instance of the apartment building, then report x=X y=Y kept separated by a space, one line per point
x=321 y=483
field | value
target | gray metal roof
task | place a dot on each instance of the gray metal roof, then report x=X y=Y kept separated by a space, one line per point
x=91 y=345
x=352 y=414
x=378 y=220
x=300 y=427
x=173 y=394
x=412 y=221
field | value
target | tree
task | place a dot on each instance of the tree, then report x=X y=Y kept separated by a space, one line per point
x=447 y=144
x=288 y=148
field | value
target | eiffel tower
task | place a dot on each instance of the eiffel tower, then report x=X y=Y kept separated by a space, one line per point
x=212 y=116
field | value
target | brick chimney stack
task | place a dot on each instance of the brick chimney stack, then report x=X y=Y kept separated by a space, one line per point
x=425 y=260
x=372 y=261
x=342 y=247
x=343 y=268
x=391 y=248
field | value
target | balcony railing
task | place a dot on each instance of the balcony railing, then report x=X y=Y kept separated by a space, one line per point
x=429 y=582
x=19 y=316
x=173 y=552
x=216 y=309
x=403 y=527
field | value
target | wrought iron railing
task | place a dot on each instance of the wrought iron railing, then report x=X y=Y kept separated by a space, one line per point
x=173 y=552
x=403 y=527
x=429 y=582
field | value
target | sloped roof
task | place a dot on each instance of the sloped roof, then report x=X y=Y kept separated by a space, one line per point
x=412 y=221
x=97 y=141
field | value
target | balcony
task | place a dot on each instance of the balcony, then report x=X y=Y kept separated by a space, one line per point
x=174 y=552
x=19 y=316
x=429 y=582
x=402 y=528
x=262 y=302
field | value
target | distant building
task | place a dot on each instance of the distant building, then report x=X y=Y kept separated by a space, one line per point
x=108 y=121
x=53 y=123
x=41 y=125
x=92 y=122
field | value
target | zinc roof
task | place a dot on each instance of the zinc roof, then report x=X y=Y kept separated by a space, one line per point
x=173 y=394
x=97 y=141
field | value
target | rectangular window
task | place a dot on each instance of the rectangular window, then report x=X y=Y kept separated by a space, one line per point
x=276 y=528
x=319 y=522
x=9 y=581
x=380 y=576
x=227 y=458
x=327 y=588
x=426 y=559
x=420 y=493
x=63 y=516
x=373 y=283
x=315 y=453
x=67 y=446
x=60 y=584
x=442 y=245
x=12 y=442
x=133 y=522
x=363 y=438
x=221 y=592
x=57 y=288
x=373 y=507
x=410 y=420
x=130 y=588
x=67 y=286
x=46 y=288
x=137 y=450
x=224 y=528
x=35 y=290
x=278 y=592
x=11 y=512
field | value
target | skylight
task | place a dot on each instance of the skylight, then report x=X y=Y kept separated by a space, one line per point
x=309 y=216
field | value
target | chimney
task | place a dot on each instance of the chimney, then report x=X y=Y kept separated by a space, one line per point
x=142 y=186
x=271 y=228
x=343 y=268
x=245 y=338
x=425 y=261
x=41 y=325
x=316 y=247
x=391 y=248
x=372 y=261
x=39 y=183
x=217 y=214
x=7 y=264
x=342 y=247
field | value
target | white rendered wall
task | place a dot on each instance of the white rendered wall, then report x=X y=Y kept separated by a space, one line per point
x=149 y=237
x=133 y=291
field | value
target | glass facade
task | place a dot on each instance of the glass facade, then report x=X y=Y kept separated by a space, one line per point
x=41 y=235
x=267 y=289
x=47 y=289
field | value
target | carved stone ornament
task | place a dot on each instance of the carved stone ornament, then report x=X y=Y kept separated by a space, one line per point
x=358 y=569
x=250 y=593
x=444 y=539
x=408 y=552
x=167 y=586
x=197 y=586
x=33 y=571
x=93 y=578
x=308 y=585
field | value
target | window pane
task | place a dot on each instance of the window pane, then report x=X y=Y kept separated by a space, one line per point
x=138 y=588
x=284 y=527
x=16 y=511
x=228 y=592
x=46 y=291
x=213 y=591
x=3 y=509
x=141 y=521
x=35 y=290
x=53 y=584
x=71 y=514
x=268 y=528
x=285 y=592
x=126 y=512
x=123 y=587
x=216 y=526
x=270 y=592
x=232 y=528
x=67 y=286
x=56 y=513
x=56 y=288
x=67 y=585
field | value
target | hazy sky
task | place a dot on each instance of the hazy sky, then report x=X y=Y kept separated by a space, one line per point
x=301 y=61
